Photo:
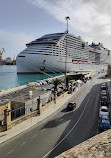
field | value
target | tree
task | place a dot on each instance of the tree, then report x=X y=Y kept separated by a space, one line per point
x=68 y=78
x=56 y=82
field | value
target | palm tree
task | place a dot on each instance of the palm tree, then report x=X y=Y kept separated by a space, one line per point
x=56 y=82
x=68 y=78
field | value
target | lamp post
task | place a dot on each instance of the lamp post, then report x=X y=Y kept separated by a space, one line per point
x=67 y=18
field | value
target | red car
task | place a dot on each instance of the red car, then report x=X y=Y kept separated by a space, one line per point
x=71 y=105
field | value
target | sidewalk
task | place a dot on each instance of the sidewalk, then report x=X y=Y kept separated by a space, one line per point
x=21 y=127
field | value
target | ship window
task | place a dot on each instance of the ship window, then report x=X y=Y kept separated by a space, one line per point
x=39 y=53
x=21 y=56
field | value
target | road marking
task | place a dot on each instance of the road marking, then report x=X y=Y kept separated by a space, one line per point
x=34 y=136
x=23 y=143
x=10 y=152
x=70 y=129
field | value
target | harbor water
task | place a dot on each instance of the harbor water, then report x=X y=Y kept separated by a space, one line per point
x=10 y=79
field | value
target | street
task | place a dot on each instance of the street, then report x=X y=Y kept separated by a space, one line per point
x=62 y=130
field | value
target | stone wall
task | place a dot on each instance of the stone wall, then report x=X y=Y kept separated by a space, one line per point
x=23 y=118
x=98 y=146
x=35 y=113
x=5 y=119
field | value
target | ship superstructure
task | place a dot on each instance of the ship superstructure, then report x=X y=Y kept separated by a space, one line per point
x=48 y=54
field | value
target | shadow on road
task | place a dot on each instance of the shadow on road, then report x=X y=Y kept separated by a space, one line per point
x=65 y=110
x=86 y=127
x=56 y=122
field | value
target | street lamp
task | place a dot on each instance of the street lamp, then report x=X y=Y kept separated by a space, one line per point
x=67 y=18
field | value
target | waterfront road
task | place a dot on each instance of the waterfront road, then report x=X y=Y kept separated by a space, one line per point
x=62 y=130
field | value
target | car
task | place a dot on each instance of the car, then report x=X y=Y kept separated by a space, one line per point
x=103 y=111
x=103 y=87
x=103 y=84
x=71 y=105
x=104 y=101
x=103 y=95
x=104 y=123
x=47 y=81
x=104 y=92
x=38 y=84
x=43 y=82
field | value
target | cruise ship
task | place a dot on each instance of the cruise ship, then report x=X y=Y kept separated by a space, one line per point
x=52 y=52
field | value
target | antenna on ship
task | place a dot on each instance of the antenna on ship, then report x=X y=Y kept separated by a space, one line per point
x=67 y=18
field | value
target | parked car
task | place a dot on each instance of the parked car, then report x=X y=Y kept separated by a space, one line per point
x=103 y=95
x=38 y=84
x=103 y=111
x=71 y=105
x=103 y=87
x=103 y=84
x=104 y=101
x=46 y=80
x=43 y=82
x=103 y=92
x=104 y=123
x=49 y=81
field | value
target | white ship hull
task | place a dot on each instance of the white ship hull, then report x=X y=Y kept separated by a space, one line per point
x=48 y=54
x=34 y=63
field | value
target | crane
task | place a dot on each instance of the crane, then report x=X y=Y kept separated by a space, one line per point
x=1 y=52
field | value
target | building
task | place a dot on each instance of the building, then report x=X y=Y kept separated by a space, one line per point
x=8 y=61
x=5 y=115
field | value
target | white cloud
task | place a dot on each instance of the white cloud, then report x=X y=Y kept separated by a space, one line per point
x=90 y=17
x=13 y=43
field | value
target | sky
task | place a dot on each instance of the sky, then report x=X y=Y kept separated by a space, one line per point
x=22 y=21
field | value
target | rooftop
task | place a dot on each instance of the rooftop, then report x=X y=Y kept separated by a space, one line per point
x=3 y=101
